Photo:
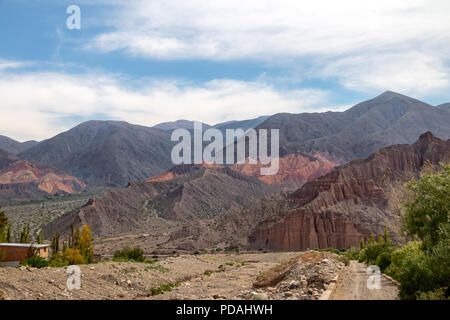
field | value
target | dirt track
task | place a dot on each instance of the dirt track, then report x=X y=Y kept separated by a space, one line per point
x=353 y=285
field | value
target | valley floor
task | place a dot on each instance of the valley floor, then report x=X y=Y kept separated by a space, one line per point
x=209 y=276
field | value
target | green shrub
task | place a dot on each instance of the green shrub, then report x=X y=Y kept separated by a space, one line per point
x=208 y=272
x=59 y=261
x=353 y=253
x=438 y=294
x=129 y=254
x=161 y=289
x=36 y=262
x=377 y=254
x=383 y=260
x=401 y=256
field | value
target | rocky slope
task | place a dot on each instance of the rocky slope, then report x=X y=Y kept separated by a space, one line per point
x=193 y=193
x=106 y=153
x=338 y=209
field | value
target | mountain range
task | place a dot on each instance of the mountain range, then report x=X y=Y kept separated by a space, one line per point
x=106 y=153
x=193 y=207
x=111 y=154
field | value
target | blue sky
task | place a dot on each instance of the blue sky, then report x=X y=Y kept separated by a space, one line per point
x=151 y=61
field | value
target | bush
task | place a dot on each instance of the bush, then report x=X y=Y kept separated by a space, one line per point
x=73 y=256
x=377 y=254
x=36 y=262
x=401 y=256
x=438 y=294
x=353 y=253
x=129 y=254
x=58 y=261
x=161 y=289
x=383 y=260
x=208 y=272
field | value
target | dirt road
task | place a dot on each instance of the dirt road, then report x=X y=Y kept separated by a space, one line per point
x=353 y=285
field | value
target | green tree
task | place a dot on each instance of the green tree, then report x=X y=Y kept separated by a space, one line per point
x=430 y=207
x=65 y=246
x=75 y=238
x=85 y=245
x=386 y=233
x=372 y=238
x=25 y=234
x=3 y=220
x=9 y=234
x=55 y=244
x=362 y=244
x=40 y=237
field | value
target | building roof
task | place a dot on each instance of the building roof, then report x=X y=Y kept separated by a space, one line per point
x=25 y=245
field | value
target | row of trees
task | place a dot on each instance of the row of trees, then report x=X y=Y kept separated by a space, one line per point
x=77 y=250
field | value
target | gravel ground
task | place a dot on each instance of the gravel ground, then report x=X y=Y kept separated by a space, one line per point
x=130 y=280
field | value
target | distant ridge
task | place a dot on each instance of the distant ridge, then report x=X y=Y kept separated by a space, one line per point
x=14 y=146
x=390 y=118
x=106 y=153
x=444 y=106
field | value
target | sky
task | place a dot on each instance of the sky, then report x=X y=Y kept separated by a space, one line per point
x=153 y=61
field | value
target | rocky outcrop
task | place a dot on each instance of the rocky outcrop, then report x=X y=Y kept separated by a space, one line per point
x=294 y=169
x=349 y=203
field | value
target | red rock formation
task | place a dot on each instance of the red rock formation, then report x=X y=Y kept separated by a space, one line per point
x=46 y=179
x=338 y=209
x=294 y=169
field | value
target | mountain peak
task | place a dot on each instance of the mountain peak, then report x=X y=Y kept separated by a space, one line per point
x=391 y=94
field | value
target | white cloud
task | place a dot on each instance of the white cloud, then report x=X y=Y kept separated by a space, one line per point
x=40 y=105
x=8 y=64
x=412 y=73
x=413 y=33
